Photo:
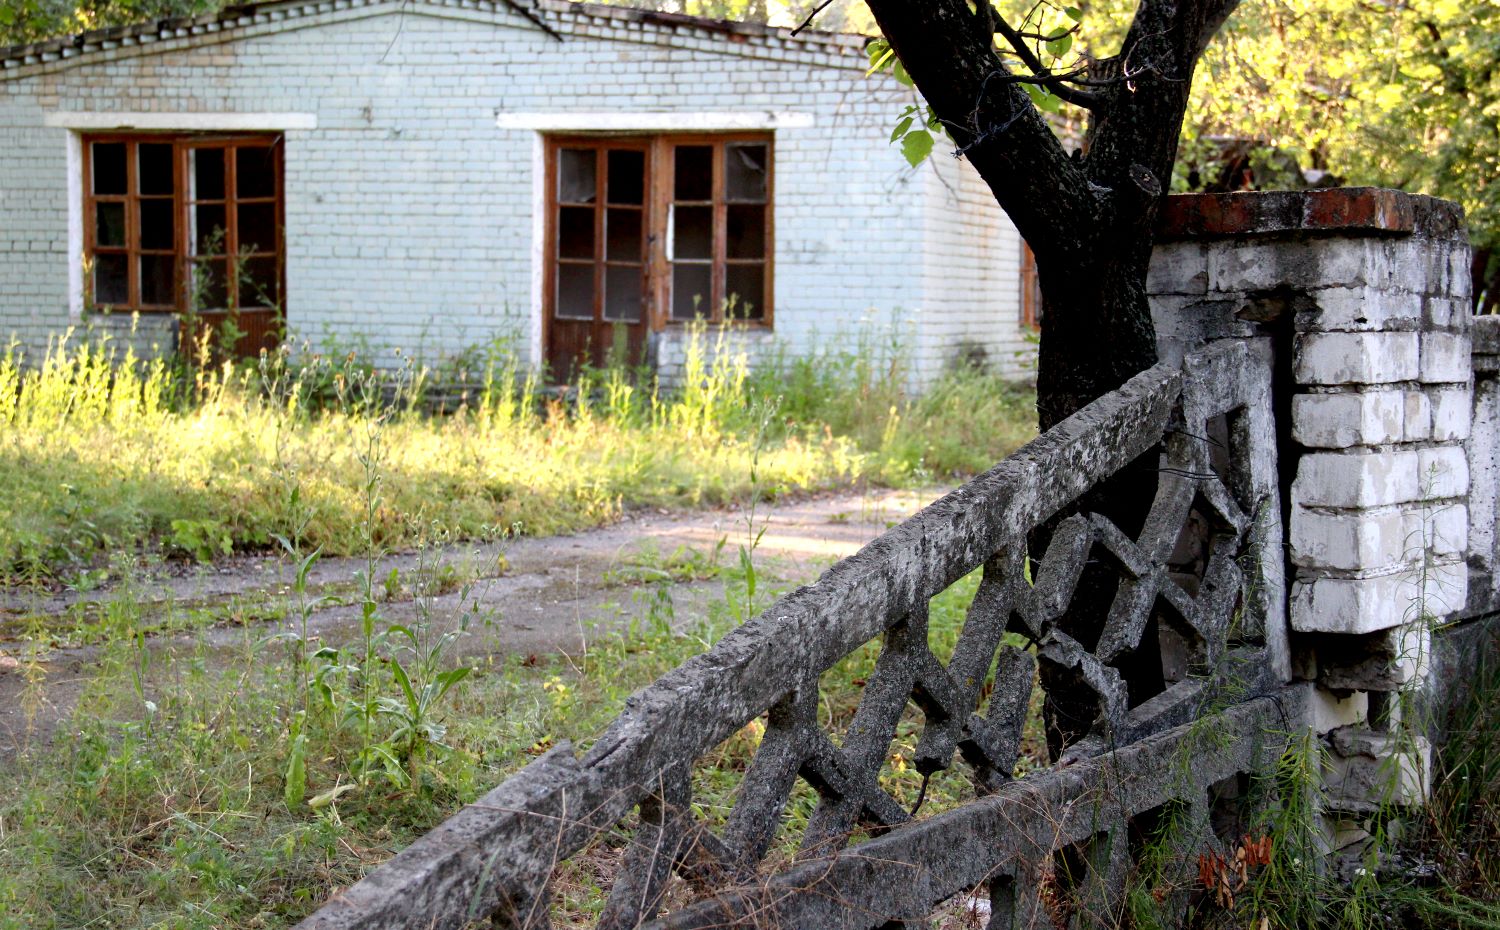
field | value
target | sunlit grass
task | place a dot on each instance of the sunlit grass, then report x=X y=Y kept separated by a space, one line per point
x=103 y=451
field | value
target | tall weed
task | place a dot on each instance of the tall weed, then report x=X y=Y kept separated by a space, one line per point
x=105 y=450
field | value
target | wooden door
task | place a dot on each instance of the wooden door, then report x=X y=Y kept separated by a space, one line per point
x=233 y=239
x=598 y=246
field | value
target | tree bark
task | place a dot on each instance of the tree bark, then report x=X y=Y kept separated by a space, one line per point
x=1088 y=217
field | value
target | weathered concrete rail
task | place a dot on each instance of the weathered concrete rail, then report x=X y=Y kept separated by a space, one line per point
x=495 y=857
x=1322 y=366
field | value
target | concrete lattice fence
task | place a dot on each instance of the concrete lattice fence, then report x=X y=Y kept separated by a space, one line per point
x=1316 y=354
x=1212 y=598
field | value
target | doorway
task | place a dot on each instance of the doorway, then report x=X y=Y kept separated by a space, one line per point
x=596 y=295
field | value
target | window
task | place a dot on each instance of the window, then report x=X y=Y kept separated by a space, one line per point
x=1031 y=290
x=718 y=230
x=646 y=231
x=174 y=223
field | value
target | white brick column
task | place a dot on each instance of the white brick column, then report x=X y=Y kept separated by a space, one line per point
x=1364 y=296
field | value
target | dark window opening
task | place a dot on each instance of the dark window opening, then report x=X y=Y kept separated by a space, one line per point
x=180 y=223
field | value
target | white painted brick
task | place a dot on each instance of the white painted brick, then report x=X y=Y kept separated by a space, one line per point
x=1443 y=472
x=1237 y=267
x=1452 y=413
x=1178 y=268
x=1445 y=529
x=1356 y=358
x=1459 y=281
x=1445 y=358
x=1357 y=479
x=1359 y=309
x=1444 y=311
x=1328 y=712
x=1357 y=540
x=1370 y=604
x=1417 y=421
x=441 y=195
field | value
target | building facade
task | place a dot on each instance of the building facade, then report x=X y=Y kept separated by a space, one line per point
x=434 y=175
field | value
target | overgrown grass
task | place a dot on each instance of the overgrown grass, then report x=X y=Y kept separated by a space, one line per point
x=103 y=451
x=1433 y=865
x=164 y=805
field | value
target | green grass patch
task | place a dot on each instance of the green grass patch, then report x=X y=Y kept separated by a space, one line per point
x=164 y=801
x=104 y=452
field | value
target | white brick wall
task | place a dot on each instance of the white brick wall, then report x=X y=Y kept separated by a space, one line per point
x=970 y=287
x=408 y=211
x=1381 y=362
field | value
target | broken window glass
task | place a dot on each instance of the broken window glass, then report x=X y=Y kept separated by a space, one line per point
x=111 y=279
x=109 y=168
x=158 y=280
x=154 y=167
x=693 y=172
x=207 y=173
x=745 y=287
x=210 y=226
x=260 y=282
x=623 y=235
x=692 y=290
x=692 y=232
x=167 y=211
x=575 y=232
x=257 y=227
x=626 y=177
x=255 y=171
x=745 y=172
x=575 y=291
x=746 y=231
x=210 y=285
x=158 y=224
x=622 y=293
x=576 y=178
x=109 y=228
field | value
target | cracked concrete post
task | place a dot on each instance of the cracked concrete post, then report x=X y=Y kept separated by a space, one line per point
x=1361 y=296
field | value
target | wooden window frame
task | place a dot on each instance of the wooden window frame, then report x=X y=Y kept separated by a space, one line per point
x=1031 y=290
x=182 y=250
x=600 y=261
x=659 y=200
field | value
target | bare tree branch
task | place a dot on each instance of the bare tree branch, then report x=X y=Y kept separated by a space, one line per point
x=949 y=52
x=813 y=15
x=1041 y=74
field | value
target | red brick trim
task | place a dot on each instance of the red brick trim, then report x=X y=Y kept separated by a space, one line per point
x=1376 y=210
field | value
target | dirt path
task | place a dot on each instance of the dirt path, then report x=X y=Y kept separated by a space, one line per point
x=522 y=596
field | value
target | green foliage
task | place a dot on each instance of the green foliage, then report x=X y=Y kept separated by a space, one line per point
x=204 y=540
x=1401 y=95
x=30 y=20
x=225 y=804
x=1404 y=95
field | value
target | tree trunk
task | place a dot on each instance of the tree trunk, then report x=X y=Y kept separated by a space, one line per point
x=1088 y=218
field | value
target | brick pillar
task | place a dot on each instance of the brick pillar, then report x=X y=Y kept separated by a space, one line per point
x=1363 y=296
x=1484 y=463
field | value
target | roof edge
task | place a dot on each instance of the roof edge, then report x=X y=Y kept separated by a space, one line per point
x=245 y=14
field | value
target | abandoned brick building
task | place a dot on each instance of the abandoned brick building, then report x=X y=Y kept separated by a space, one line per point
x=433 y=175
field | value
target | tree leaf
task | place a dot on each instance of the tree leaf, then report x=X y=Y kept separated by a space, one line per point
x=1059 y=46
x=1073 y=13
x=331 y=795
x=1045 y=101
x=901 y=129
x=899 y=70
x=916 y=146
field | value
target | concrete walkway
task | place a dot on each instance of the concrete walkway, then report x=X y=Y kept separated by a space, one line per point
x=530 y=595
